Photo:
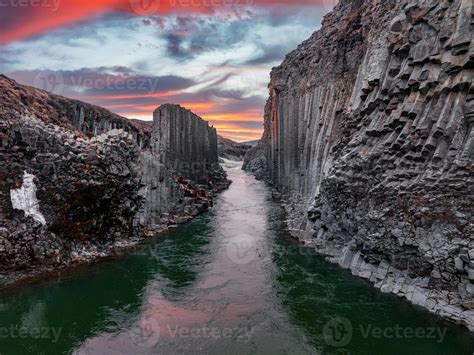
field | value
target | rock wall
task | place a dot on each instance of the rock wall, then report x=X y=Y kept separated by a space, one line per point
x=73 y=190
x=77 y=195
x=255 y=161
x=88 y=120
x=185 y=143
x=368 y=135
x=181 y=170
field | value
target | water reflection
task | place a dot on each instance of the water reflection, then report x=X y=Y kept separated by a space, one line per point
x=103 y=298
x=230 y=282
x=229 y=305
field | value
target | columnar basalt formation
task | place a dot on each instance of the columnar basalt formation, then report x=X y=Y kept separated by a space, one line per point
x=181 y=168
x=185 y=143
x=368 y=134
x=77 y=182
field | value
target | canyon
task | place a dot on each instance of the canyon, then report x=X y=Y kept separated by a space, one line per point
x=369 y=142
x=79 y=183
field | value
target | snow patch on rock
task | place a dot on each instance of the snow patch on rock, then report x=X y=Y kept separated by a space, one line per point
x=24 y=199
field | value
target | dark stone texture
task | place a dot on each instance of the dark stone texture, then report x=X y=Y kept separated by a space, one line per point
x=368 y=136
x=100 y=185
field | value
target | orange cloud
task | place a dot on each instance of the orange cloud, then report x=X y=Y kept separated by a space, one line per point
x=196 y=107
x=232 y=127
x=240 y=137
x=227 y=125
x=235 y=132
x=243 y=117
x=31 y=20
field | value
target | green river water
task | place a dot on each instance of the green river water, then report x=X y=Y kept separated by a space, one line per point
x=230 y=282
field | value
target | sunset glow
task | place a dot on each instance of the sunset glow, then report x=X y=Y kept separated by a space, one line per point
x=131 y=56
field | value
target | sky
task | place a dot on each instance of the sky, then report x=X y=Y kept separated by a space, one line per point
x=131 y=56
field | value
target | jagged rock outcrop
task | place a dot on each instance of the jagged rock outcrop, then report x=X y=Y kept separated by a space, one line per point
x=77 y=182
x=368 y=134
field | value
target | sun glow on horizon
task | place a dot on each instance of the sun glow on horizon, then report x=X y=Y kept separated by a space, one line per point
x=213 y=61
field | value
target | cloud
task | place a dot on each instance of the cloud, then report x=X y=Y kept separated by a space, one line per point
x=21 y=20
x=114 y=82
x=269 y=55
x=189 y=36
x=121 y=91
x=215 y=60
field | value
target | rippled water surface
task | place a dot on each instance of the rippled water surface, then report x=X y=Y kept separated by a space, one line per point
x=230 y=282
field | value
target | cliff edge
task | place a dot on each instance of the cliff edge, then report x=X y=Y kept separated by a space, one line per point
x=368 y=136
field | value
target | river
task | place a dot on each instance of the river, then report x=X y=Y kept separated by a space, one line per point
x=230 y=282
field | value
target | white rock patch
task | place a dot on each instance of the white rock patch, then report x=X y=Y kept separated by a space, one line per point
x=24 y=198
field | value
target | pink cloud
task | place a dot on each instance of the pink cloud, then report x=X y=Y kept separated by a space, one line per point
x=38 y=17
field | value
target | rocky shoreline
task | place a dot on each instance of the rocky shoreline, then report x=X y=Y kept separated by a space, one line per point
x=76 y=254
x=384 y=276
x=82 y=254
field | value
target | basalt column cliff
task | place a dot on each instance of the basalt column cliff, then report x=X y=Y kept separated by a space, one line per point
x=369 y=129
x=183 y=152
x=183 y=138
x=77 y=182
